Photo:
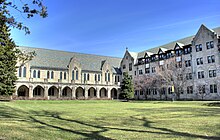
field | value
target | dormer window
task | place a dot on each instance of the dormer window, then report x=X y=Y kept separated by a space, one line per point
x=198 y=47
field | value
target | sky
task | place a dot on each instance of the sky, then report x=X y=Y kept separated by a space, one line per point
x=108 y=27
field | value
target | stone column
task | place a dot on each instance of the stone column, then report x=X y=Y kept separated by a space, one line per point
x=73 y=92
x=30 y=91
x=97 y=92
x=86 y=92
x=46 y=92
x=118 y=92
x=109 y=93
x=59 y=91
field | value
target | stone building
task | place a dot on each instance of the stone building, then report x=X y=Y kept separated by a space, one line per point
x=66 y=75
x=199 y=54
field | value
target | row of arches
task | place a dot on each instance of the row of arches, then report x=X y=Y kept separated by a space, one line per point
x=54 y=92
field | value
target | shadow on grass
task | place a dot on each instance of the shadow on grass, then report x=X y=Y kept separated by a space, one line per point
x=213 y=104
x=7 y=112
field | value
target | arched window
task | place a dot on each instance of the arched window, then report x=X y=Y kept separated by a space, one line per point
x=61 y=75
x=105 y=76
x=19 y=71
x=24 y=71
x=38 y=74
x=72 y=74
x=95 y=77
x=77 y=75
x=34 y=74
x=109 y=77
x=88 y=76
x=99 y=77
x=48 y=74
x=51 y=75
x=64 y=75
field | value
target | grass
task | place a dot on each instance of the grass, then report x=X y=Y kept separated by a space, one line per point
x=109 y=120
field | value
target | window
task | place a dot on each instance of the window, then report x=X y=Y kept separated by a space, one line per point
x=190 y=90
x=105 y=76
x=141 y=92
x=51 y=75
x=153 y=69
x=19 y=71
x=147 y=91
x=188 y=63
x=179 y=65
x=34 y=74
x=169 y=90
x=116 y=78
x=210 y=45
x=88 y=76
x=77 y=74
x=187 y=50
x=178 y=52
x=61 y=75
x=38 y=74
x=135 y=72
x=48 y=74
x=95 y=77
x=124 y=66
x=84 y=77
x=140 y=72
x=188 y=76
x=200 y=74
x=213 y=88
x=73 y=74
x=180 y=77
x=147 y=70
x=199 y=61
x=180 y=90
x=211 y=59
x=24 y=72
x=109 y=77
x=201 y=89
x=198 y=47
x=64 y=77
x=99 y=77
x=154 y=91
x=130 y=66
x=212 y=73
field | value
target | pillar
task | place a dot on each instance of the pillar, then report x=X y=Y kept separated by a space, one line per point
x=118 y=93
x=59 y=91
x=86 y=92
x=30 y=92
x=98 y=92
x=108 y=93
x=46 y=92
x=73 y=92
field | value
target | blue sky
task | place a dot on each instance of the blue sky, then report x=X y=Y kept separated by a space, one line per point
x=107 y=27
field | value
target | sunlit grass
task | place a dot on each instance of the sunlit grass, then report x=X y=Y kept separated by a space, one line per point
x=109 y=120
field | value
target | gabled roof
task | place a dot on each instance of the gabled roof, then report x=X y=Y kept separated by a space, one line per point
x=133 y=55
x=46 y=58
x=171 y=45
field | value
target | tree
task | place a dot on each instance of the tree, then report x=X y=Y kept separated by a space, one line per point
x=127 y=88
x=9 y=53
x=173 y=74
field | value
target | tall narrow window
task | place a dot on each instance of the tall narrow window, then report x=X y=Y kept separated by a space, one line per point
x=84 y=76
x=51 y=75
x=24 y=71
x=64 y=77
x=34 y=74
x=38 y=74
x=88 y=76
x=48 y=74
x=99 y=77
x=19 y=71
x=105 y=76
x=72 y=74
x=77 y=75
x=61 y=75
x=109 y=77
x=95 y=77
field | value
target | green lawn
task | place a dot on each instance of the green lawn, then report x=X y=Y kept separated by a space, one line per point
x=109 y=120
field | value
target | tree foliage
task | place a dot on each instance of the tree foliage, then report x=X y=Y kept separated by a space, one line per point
x=127 y=87
x=9 y=52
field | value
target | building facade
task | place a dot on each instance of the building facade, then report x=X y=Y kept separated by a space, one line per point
x=197 y=56
x=66 y=75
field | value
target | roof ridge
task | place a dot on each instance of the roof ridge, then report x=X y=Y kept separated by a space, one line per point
x=69 y=52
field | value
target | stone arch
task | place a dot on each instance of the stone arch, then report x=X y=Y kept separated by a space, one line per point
x=38 y=91
x=23 y=91
x=114 y=93
x=91 y=92
x=53 y=91
x=103 y=93
x=80 y=93
x=66 y=92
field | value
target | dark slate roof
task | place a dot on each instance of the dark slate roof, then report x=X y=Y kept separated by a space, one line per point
x=171 y=45
x=46 y=58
